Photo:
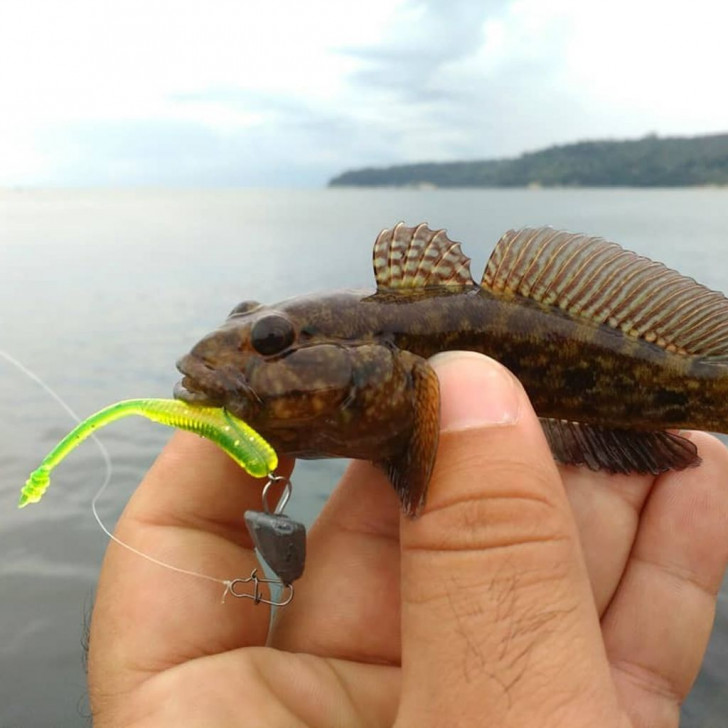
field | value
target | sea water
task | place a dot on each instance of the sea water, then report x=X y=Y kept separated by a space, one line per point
x=100 y=293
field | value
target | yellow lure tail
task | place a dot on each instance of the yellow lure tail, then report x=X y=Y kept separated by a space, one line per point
x=240 y=441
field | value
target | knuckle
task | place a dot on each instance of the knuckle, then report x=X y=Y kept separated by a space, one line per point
x=514 y=504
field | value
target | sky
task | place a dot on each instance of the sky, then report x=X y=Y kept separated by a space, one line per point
x=291 y=93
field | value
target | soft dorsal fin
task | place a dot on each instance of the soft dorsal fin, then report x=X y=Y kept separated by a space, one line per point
x=600 y=281
x=417 y=257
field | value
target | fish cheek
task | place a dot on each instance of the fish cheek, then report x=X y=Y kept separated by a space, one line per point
x=305 y=384
x=381 y=399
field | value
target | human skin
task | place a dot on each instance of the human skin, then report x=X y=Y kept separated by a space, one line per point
x=524 y=595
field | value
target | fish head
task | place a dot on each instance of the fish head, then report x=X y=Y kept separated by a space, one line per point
x=268 y=369
x=314 y=385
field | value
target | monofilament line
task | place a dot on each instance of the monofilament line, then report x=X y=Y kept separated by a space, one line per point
x=227 y=583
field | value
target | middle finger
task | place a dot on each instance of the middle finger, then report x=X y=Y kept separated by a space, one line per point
x=607 y=510
x=347 y=603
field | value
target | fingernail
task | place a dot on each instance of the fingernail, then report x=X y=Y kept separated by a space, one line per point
x=475 y=391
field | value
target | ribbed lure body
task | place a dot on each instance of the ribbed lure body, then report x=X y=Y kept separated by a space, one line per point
x=243 y=444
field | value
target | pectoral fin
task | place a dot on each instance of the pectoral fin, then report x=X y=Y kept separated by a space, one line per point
x=409 y=471
x=618 y=451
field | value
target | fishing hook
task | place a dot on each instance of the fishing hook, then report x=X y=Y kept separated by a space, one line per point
x=285 y=496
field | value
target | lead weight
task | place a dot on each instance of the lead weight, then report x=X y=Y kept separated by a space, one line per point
x=280 y=541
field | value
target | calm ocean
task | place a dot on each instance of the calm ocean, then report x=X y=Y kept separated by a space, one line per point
x=103 y=290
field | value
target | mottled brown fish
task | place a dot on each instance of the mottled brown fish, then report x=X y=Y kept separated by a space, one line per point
x=612 y=348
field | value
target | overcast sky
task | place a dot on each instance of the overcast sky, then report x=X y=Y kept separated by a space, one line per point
x=292 y=92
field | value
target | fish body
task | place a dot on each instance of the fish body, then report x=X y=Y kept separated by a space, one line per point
x=613 y=350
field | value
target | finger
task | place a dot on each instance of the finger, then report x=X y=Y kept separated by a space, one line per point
x=656 y=630
x=497 y=614
x=347 y=604
x=607 y=511
x=187 y=513
x=195 y=485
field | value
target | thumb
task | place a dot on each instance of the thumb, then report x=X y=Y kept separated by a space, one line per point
x=498 y=619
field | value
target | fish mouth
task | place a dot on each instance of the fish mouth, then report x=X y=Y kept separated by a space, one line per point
x=203 y=384
x=199 y=385
x=187 y=390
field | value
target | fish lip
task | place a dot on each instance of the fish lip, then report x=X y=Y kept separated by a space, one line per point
x=187 y=391
x=197 y=385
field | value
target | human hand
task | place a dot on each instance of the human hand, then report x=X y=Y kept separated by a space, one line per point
x=522 y=596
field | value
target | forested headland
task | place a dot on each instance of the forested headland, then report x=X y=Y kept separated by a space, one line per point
x=651 y=161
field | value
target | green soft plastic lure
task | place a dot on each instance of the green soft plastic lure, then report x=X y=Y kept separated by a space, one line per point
x=243 y=444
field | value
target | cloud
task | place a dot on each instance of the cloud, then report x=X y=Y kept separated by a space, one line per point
x=96 y=95
x=294 y=94
x=425 y=36
x=291 y=143
x=448 y=81
x=470 y=80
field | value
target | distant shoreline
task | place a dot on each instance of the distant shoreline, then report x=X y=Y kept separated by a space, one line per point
x=700 y=161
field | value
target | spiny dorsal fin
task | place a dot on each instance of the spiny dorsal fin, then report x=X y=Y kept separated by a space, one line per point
x=417 y=257
x=618 y=451
x=600 y=281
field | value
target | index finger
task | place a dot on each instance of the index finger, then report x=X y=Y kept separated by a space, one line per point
x=188 y=513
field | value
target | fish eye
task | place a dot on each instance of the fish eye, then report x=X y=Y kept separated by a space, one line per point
x=244 y=307
x=271 y=335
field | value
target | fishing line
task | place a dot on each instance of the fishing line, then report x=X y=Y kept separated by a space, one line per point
x=229 y=584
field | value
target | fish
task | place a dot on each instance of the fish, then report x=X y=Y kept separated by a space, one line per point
x=616 y=352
